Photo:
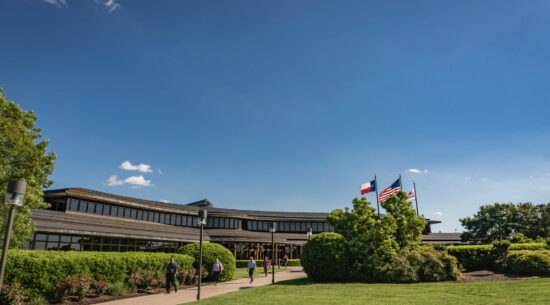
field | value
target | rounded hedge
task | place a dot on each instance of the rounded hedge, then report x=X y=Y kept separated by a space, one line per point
x=528 y=262
x=325 y=258
x=211 y=251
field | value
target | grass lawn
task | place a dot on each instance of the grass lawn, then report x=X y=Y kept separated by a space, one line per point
x=302 y=291
x=241 y=273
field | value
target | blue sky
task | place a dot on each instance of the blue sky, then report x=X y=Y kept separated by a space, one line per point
x=288 y=105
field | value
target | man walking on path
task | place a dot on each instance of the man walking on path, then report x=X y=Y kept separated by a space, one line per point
x=217 y=269
x=171 y=272
x=251 y=268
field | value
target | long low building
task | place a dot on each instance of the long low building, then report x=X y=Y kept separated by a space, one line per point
x=85 y=220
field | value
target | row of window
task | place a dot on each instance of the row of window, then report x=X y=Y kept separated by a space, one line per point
x=97 y=208
x=292 y=227
x=88 y=243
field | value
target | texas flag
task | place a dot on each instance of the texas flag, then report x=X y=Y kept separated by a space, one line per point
x=368 y=187
x=412 y=195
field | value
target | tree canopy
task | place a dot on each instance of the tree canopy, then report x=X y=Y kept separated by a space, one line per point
x=23 y=155
x=504 y=220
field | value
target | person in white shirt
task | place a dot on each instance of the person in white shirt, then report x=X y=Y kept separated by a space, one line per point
x=251 y=268
x=217 y=270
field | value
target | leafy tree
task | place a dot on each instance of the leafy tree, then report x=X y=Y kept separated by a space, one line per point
x=504 y=220
x=23 y=155
x=372 y=242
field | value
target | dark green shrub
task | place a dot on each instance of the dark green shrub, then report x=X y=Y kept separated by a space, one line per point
x=40 y=271
x=528 y=262
x=425 y=264
x=241 y=263
x=325 y=257
x=476 y=257
x=211 y=251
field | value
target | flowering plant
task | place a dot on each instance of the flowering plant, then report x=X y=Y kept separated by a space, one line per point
x=13 y=295
x=145 y=280
x=78 y=287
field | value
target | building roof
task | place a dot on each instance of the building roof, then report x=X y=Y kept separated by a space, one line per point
x=191 y=208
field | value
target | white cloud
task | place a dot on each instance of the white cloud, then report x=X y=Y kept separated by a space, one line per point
x=438 y=213
x=160 y=172
x=165 y=201
x=58 y=3
x=547 y=174
x=144 y=168
x=111 y=5
x=417 y=171
x=113 y=181
x=136 y=181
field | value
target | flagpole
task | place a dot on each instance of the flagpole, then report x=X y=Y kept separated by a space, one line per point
x=376 y=189
x=415 y=198
x=400 y=183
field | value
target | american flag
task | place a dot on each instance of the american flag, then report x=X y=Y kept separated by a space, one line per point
x=390 y=190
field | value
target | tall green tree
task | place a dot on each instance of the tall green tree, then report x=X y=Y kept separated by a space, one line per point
x=23 y=155
x=504 y=220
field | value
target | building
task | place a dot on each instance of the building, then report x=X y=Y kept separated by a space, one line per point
x=85 y=220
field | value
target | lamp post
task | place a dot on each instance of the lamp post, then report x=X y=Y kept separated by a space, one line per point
x=309 y=233
x=272 y=227
x=202 y=222
x=14 y=197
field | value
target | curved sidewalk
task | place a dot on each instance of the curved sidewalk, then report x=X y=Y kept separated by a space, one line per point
x=190 y=294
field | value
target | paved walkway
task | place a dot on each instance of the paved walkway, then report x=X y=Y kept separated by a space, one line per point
x=210 y=290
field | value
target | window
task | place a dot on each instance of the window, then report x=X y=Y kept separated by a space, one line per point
x=83 y=205
x=134 y=214
x=120 y=212
x=156 y=217
x=161 y=218
x=184 y=220
x=209 y=222
x=292 y=227
x=114 y=210
x=140 y=215
x=167 y=219
x=106 y=210
x=74 y=205
x=195 y=221
x=91 y=208
x=99 y=208
x=178 y=220
x=173 y=219
x=325 y=227
x=145 y=213
x=151 y=216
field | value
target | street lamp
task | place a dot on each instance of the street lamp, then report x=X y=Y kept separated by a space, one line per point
x=14 y=197
x=309 y=233
x=202 y=222
x=272 y=227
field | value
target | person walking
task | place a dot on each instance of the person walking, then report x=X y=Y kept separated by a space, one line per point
x=251 y=268
x=171 y=271
x=217 y=270
x=266 y=264
x=286 y=260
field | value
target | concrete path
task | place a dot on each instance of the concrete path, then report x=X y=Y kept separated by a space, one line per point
x=190 y=294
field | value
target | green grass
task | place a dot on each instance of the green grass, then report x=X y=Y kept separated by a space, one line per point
x=241 y=273
x=303 y=291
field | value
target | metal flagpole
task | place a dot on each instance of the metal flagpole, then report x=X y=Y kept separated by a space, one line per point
x=376 y=189
x=400 y=183
x=415 y=198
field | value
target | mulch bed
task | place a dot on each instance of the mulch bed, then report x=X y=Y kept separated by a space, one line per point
x=486 y=275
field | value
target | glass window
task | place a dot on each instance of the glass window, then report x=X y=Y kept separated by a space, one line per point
x=74 y=205
x=120 y=212
x=265 y=226
x=173 y=219
x=39 y=245
x=157 y=217
x=91 y=208
x=151 y=216
x=65 y=238
x=140 y=215
x=184 y=220
x=83 y=205
x=99 y=208
x=145 y=215
x=167 y=219
x=133 y=214
x=114 y=210
x=195 y=221
x=178 y=220
x=209 y=222
x=161 y=218
x=239 y=223
x=106 y=210
x=227 y=226
x=41 y=237
x=292 y=227
x=325 y=227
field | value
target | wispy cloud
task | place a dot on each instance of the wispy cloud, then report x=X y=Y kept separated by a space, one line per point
x=417 y=171
x=160 y=172
x=144 y=168
x=133 y=180
x=165 y=201
x=438 y=213
x=58 y=3
x=111 y=5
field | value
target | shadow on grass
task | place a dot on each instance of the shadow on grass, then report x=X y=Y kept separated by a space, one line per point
x=296 y=282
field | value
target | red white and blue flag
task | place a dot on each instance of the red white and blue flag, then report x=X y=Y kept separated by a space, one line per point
x=368 y=187
x=390 y=190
